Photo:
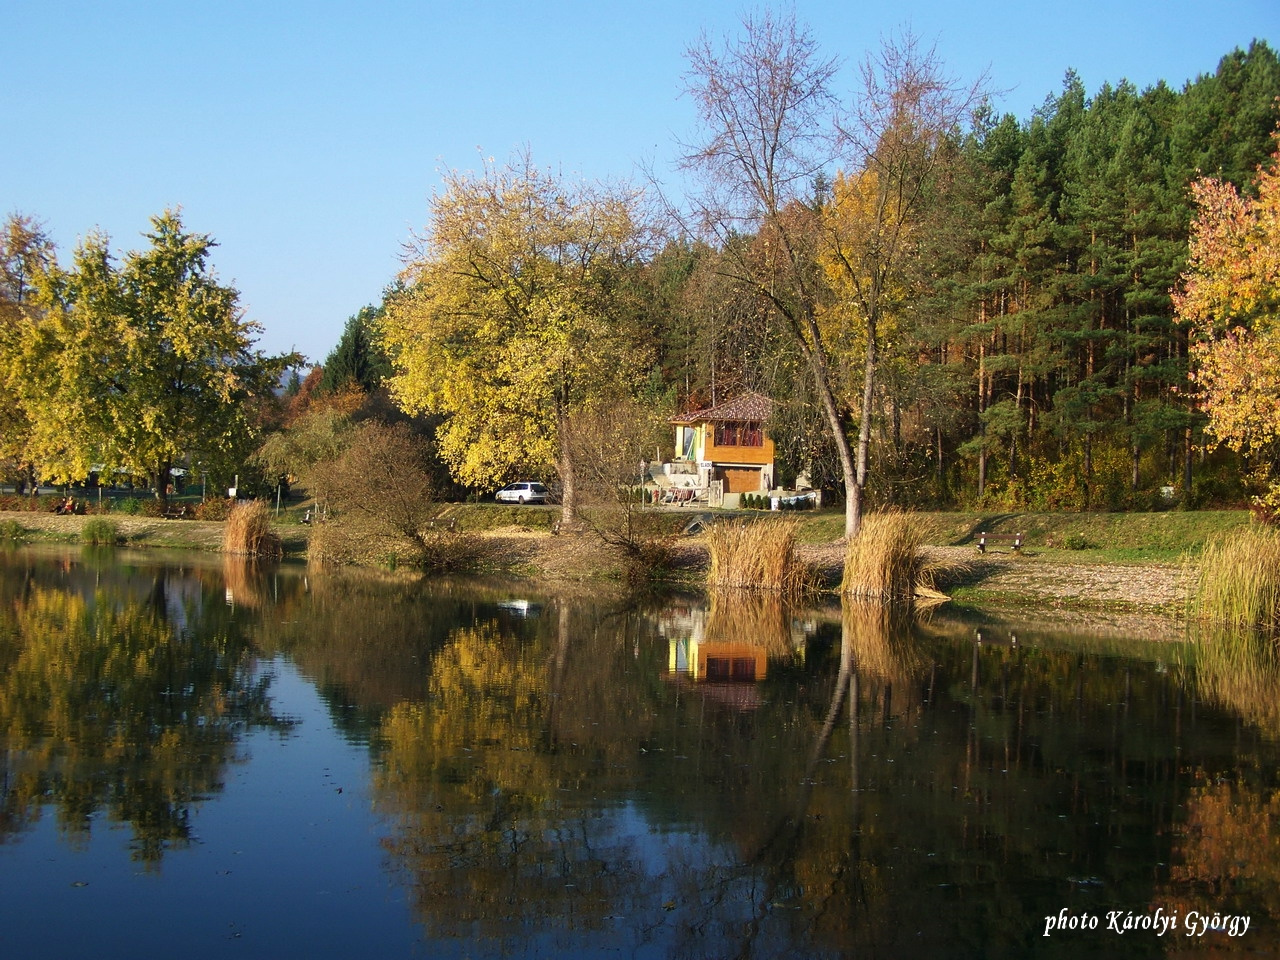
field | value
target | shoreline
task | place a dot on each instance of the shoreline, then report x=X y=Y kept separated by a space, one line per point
x=1024 y=580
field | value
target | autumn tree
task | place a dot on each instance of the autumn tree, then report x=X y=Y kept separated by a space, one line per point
x=1230 y=298
x=518 y=309
x=764 y=106
x=26 y=252
x=770 y=128
x=144 y=364
x=898 y=141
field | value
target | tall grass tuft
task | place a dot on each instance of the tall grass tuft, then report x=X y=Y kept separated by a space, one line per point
x=883 y=561
x=248 y=531
x=100 y=532
x=1239 y=582
x=758 y=555
x=11 y=531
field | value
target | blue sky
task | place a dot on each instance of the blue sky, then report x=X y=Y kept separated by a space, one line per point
x=307 y=137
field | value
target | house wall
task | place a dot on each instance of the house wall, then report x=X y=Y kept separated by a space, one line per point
x=760 y=455
x=744 y=469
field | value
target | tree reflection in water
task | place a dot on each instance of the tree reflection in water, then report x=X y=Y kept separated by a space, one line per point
x=570 y=776
x=883 y=791
x=118 y=700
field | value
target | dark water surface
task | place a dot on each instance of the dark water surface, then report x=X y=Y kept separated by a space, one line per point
x=206 y=760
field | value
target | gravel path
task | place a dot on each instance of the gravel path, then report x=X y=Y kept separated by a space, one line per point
x=1028 y=578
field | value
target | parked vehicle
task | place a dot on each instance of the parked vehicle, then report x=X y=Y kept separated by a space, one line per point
x=526 y=491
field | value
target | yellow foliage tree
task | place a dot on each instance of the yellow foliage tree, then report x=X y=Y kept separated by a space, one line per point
x=1230 y=297
x=138 y=365
x=26 y=252
x=519 y=310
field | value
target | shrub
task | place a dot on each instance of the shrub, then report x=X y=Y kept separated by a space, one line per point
x=390 y=520
x=100 y=532
x=883 y=560
x=217 y=509
x=248 y=532
x=1077 y=541
x=151 y=507
x=129 y=505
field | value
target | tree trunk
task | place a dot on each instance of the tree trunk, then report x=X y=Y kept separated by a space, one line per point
x=982 y=425
x=568 y=481
x=163 y=476
x=1188 y=458
x=853 y=513
x=808 y=339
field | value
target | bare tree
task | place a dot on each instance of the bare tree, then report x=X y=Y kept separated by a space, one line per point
x=766 y=109
x=771 y=128
x=897 y=142
x=609 y=444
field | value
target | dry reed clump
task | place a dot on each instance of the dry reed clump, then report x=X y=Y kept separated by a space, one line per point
x=1239 y=582
x=248 y=531
x=758 y=555
x=883 y=561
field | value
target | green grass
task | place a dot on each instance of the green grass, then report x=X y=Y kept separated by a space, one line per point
x=491 y=516
x=11 y=531
x=1166 y=537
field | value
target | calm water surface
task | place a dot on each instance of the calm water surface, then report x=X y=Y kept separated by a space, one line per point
x=206 y=760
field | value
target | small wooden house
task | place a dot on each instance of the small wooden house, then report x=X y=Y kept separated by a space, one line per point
x=728 y=443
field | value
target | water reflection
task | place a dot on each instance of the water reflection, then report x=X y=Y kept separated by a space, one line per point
x=1239 y=670
x=555 y=775
x=118 y=696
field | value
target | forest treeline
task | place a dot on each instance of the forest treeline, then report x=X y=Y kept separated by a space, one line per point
x=1034 y=360
x=1026 y=348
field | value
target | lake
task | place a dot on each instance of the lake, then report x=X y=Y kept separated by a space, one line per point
x=203 y=758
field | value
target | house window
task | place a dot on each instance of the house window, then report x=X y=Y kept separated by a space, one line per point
x=686 y=443
x=732 y=433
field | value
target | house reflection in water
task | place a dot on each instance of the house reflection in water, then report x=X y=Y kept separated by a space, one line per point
x=735 y=662
x=725 y=650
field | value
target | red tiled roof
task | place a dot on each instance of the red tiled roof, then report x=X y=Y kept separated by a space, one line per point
x=748 y=406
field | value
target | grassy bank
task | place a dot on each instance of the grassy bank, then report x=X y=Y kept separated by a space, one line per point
x=1119 y=538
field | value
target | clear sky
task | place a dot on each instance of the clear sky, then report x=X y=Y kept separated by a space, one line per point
x=306 y=137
